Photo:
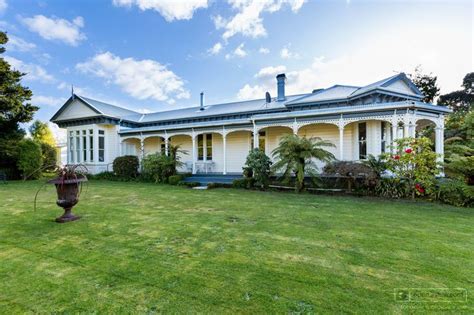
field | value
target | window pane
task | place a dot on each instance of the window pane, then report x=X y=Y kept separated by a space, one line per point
x=261 y=140
x=84 y=146
x=200 y=147
x=362 y=141
x=101 y=148
x=91 y=151
x=209 y=146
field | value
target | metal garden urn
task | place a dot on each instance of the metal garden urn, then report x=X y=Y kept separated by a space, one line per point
x=68 y=196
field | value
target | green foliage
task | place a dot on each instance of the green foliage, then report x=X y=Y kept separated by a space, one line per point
x=189 y=184
x=41 y=132
x=416 y=163
x=259 y=164
x=218 y=185
x=50 y=158
x=395 y=188
x=126 y=167
x=160 y=166
x=462 y=100
x=102 y=176
x=456 y=193
x=296 y=155
x=30 y=159
x=378 y=165
x=426 y=83
x=245 y=183
x=14 y=109
x=175 y=179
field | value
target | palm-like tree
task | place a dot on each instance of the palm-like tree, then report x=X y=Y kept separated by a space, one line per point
x=297 y=155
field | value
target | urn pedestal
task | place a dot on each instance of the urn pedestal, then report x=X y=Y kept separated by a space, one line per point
x=68 y=196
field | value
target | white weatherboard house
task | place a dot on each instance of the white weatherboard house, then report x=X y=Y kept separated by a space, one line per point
x=358 y=120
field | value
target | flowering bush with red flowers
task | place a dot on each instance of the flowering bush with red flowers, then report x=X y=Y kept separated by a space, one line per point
x=415 y=162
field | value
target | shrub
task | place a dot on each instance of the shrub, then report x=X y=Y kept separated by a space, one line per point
x=102 y=176
x=455 y=192
x=30 y=159
x=189 y=184
x=245 y=183
x=259 y=164
x=415 y=162
x=218 y=185
x=126 y=166
x=159 y=167
x=393 y=188
x=49 y=156
x=175 y=179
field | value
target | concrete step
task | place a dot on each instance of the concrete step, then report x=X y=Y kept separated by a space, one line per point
x=206 y=179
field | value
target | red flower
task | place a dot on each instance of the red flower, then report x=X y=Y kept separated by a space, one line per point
x=409 y=150
x=420 y=189
x=396 y=157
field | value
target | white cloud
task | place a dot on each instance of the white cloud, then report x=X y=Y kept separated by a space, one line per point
x=42 y=100
x=142 y=79
x=169 y=9
x=59 y=134
x=19 y=44
x=239 y=52
x=251 y=92
x=270 y=72
x=264 y=50
x=33 y=72
x=214 y=50
x=248 y=20
x=3 y=5
x=56 y=28
x=285 y=53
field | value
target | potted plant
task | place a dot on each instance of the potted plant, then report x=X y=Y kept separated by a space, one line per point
x=68 y=186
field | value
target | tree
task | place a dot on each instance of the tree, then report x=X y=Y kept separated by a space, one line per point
x=426 y=83
x=260 y=164
x=296 y=155
x=30 y=159
x=41 y=132
x=14 y=109
x=461 y=101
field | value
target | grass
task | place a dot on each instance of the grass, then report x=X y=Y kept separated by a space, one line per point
x=145 y=248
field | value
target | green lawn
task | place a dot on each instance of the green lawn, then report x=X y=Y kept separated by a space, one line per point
x=146 y=248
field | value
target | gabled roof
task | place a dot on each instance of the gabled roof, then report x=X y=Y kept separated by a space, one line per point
x=98 y=107
x=385 y=85
x=347 y=92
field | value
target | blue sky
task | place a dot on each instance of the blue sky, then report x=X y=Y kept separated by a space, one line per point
x=157 y=55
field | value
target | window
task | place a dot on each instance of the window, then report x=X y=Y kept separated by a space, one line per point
x=261 y=140
x=362 y=141
x=101 y=146
x=163 y=148
x=383 y=134
x=200 y=147
x=84 y=145
x=209 y=146
x=91 y=145
x=205 y=147
x=78 y=146
x=71 y=147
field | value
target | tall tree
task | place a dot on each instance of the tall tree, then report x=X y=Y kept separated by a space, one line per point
x=426 y=83
x=461 y=101
x=14 y=109
x=41 y=132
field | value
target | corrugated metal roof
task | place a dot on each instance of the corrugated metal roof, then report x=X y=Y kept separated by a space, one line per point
x=108 y=109
x=333 y=93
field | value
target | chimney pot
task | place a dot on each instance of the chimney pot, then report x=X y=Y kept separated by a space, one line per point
x=281 y=78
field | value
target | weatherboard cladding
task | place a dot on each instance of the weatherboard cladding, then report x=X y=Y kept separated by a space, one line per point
x=321 y=100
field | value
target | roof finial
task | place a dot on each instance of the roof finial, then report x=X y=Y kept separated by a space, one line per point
x=72 y=91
